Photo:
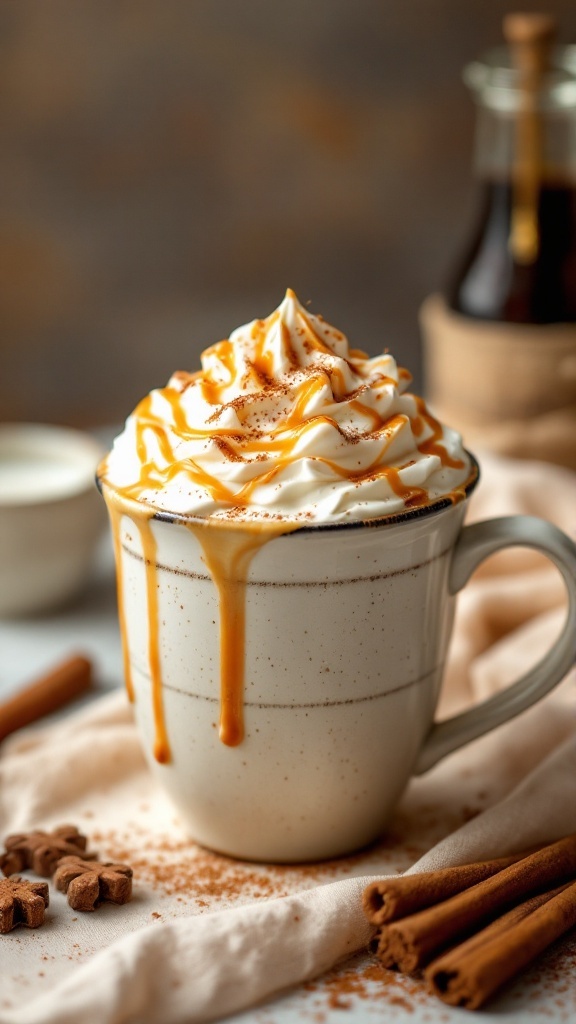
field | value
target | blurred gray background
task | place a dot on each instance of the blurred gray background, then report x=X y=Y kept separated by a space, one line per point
x=168 y=167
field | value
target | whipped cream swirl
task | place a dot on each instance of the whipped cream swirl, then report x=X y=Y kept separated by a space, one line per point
x=285 y=421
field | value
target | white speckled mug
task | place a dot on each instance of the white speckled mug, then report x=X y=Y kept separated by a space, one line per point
x=346 y=631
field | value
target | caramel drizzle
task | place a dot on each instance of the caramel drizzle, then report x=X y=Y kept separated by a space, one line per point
x=227 y=554
x=161 y=744
x=115 y=514
x=141 y=519
x=284 y=443
x=433 y=445
x=212 y=389
x=307 y=393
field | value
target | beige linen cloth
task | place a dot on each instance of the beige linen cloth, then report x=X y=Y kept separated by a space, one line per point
x=203 y=936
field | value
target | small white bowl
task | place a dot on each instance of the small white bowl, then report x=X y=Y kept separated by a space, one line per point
x=51 y=514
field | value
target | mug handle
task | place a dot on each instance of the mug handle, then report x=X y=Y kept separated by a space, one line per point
x=476 y=543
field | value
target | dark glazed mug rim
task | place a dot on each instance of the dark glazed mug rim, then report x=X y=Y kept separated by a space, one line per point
x=407 y=515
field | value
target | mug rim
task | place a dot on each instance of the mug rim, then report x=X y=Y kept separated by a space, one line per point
x=406 y=515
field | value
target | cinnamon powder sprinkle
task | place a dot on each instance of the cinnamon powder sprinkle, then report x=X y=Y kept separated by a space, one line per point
x=365 y=980
x=227 y=450
x=179 y=867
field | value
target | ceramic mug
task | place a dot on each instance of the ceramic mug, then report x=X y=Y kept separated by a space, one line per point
x=346 y=630
x=50 y=516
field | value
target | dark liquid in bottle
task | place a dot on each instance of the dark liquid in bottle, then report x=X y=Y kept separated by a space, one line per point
x=491 y=285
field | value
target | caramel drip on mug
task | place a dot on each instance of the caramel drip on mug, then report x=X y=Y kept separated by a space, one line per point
x=115 y=514
x=140 y=517
x=161 y=744
x=227 y=554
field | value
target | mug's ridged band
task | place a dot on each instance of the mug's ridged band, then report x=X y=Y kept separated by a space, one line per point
x=295 y=583
x=305 y=706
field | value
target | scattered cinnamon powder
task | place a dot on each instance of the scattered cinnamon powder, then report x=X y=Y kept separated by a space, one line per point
x=363 y=979
x=179 y=867
x=227 y=450
x=176 y=866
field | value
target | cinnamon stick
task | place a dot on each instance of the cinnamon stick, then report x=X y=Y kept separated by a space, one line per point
x=391 y=898
x=52 y=691
x=413 y=941
x=469 y=974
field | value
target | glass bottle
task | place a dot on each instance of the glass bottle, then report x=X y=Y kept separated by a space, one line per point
x=520 y=265
x=499 y=345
